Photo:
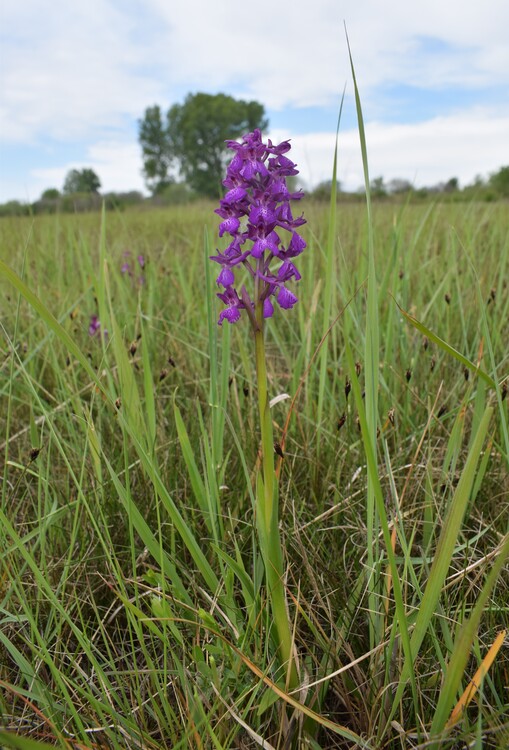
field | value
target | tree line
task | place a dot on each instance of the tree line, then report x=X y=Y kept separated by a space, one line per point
x=184 y=157
x=495 y=187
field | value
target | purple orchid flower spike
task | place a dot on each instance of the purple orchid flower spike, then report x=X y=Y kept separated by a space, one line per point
x=94 y=325
x=133 y=269
x=257 y=215
x=95 y=328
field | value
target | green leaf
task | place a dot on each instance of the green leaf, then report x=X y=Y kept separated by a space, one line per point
x=444 y=552
x=23 y=743
x=268 y=699
x=447 y=347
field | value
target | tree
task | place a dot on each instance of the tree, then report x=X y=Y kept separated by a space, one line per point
x=193 y=139
x=50 y=194
x=377 y=187
x=158 y=155
x=399 y=185
x=452 y=185
x=81 y=181
x=500 y=181
x=323 y=190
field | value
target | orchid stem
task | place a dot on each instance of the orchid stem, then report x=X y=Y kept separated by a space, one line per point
x=267 y=513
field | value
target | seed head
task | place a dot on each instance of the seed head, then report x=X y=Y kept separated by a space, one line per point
x=34 y=454
x=348 y=388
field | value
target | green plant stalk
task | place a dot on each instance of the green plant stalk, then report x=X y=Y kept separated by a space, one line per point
x=330 y=275
x=267 y=515
x=442 y=558
x=371 y=364
x=463 y=646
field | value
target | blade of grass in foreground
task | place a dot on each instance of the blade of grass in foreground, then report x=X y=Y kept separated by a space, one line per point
x=463 y=645
x=218 y=393
x=476 y=681
x=372 y=467
x=338 y=729
x=447 y=347
x=371 y=361
x=22 y=743
x=139 y=441
x=329 y=273
x=49 y=319
x=443 y=555
x=61 y=685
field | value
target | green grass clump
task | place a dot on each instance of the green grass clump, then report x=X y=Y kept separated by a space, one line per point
x=132 y=606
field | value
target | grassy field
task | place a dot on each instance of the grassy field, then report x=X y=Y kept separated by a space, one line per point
x=133 y=608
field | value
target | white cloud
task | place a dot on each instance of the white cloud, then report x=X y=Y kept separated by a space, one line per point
x=118 y=165
x=72 y=71
x=461 y=145
x=77 y=69
x=430 y=44
x=293 y=52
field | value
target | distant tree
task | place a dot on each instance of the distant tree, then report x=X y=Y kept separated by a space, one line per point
x=499 y=181
x=158 y=151
x=192 y=141
x=438 y=187
x=452 y=185
x=399 y=185
x=322 y=191
x=198 y=130
x=14 y=208
x=175 y=194
x=81 y=181
x=50 y=194
x=119 y=201
x=377 y=187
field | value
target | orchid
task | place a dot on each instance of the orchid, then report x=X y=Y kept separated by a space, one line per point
x=94 y=325
x=95 y=329
x=128 y=267
x=257 y=215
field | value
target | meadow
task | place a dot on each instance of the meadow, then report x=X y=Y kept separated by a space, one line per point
x=134 y=611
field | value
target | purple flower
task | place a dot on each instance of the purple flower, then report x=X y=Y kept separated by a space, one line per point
x=257 y=215
x=233 y=303
x=268 y=308
x=94 y=327
x=226 y=277
x=286 y=298
x=128 y=267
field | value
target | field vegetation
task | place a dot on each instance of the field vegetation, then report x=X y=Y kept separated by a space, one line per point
x=133 y=608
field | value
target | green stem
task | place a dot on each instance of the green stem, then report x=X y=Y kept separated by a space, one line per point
x=265 y=426
x=267 y=512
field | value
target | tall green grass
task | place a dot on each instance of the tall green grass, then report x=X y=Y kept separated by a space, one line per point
x=132 y=611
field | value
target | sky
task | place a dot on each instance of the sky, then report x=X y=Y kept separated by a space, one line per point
x=433 y=76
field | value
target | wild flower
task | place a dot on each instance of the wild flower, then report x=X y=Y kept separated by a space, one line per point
x=257 y=216
x=94 y=327
x=128 y=267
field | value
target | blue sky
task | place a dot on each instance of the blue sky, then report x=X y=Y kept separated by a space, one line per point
x=76 y=76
